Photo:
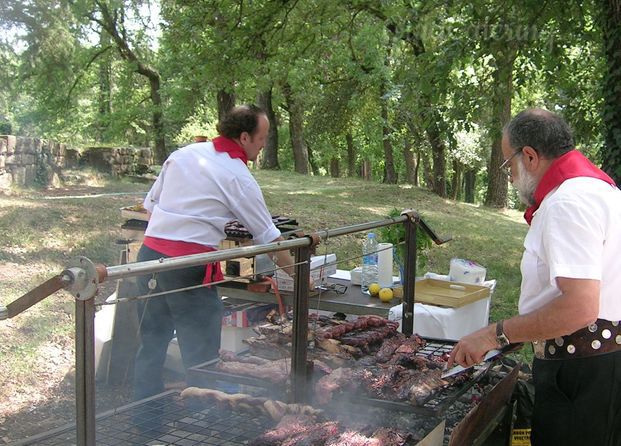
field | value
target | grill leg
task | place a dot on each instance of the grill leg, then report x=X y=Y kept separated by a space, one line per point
x=300 y=324
x=85 y=371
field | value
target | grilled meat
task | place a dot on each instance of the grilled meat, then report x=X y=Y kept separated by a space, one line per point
x=299 y=431
x=389 y=346
x=423 y=385
x=332 y=382
x=415 y=380
x=275 y=371
x=275 y=409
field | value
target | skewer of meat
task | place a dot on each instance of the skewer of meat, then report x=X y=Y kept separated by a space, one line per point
x=255 y=405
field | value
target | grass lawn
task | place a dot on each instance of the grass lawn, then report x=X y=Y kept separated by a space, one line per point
x=42 y=230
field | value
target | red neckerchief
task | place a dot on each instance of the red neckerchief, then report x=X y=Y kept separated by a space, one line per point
x=175 y=248
x=224 y=144
x=572 y=164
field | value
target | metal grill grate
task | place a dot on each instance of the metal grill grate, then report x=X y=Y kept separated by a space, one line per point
x=165 y=420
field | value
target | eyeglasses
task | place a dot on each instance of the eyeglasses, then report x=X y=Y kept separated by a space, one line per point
x=505 y=166
x=336 y=287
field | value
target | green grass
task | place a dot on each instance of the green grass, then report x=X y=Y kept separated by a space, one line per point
x=40 y=236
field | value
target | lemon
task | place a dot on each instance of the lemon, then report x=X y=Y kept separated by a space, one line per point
x=374 y=289
x=385 y=294
x=398 y=292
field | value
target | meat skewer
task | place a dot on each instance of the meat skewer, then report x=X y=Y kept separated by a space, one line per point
x=258 y=406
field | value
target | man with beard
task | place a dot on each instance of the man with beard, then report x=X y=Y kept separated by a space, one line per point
x=570 y=301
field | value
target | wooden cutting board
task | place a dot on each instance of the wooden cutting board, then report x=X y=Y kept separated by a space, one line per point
x=448 y=294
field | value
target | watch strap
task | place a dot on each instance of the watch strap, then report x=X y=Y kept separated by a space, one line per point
x=501 y=337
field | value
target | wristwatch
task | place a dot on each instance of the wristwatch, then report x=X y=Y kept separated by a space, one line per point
x=501 y=337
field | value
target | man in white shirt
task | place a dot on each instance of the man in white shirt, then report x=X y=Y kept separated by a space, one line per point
x=200 y=189
x=570 y=303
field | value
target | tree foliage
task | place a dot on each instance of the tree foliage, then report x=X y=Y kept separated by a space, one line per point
x=395 y=90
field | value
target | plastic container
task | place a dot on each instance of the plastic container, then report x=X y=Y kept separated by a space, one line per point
x=369 y=262
x=466 y=271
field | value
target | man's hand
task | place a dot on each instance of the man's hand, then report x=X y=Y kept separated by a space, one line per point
x=471 y=349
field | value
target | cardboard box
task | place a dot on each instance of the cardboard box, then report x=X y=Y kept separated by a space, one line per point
x=233 y=338
x=243 y=266
x=321 y=268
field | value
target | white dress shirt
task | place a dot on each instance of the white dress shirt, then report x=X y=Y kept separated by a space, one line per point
x=575 y=233
x=199 y=191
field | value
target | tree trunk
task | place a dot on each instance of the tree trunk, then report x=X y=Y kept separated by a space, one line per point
x=312 y=161
x=411 y=165
x=105 y=90
x=335 y=168
x=351 y=155
x=226 y=101
x=390 y=177
x=156 y=120
x=611 y=152
x=296 y=131
x=438 y=150
x=503 y=91
x=417 y=170
x=108 y=22
x=270 y=152
x=456 y=182
x=470 y=177
x=365 y=170
x=428 y=178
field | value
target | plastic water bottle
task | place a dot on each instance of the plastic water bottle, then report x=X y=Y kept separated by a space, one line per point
x=369 y=262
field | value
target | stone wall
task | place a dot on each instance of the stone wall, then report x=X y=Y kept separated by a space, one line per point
x=38 y=162
x=118 y=161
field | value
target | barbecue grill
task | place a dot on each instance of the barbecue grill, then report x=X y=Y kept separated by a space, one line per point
x=235 y=230
x=136 y=423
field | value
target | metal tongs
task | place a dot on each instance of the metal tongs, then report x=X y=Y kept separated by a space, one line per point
x=492 y=354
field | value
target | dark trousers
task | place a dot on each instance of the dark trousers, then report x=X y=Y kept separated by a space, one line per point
x=577 y=401
x=195 y=315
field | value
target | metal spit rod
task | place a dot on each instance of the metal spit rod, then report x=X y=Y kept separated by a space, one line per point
x=167 y=264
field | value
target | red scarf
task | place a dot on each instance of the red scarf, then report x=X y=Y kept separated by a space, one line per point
x=224 y=144
x=175 y=248
x=572 y=164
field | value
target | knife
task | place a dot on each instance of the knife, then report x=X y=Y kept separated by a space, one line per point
x=490 y=355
